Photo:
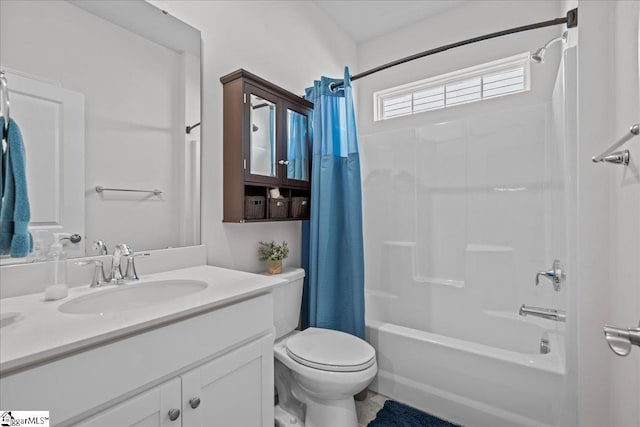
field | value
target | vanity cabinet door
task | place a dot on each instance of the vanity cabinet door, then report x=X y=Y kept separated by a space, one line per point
x=234 y=390
x=148 y=409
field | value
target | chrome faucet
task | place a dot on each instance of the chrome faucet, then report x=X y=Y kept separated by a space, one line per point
x=99 y=278
x=545 y=313
x=121 y=250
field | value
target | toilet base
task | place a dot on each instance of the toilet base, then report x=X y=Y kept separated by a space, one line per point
x=334 y=413
x=285 y=419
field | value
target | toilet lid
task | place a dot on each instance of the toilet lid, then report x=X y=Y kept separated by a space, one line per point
x=330 y=350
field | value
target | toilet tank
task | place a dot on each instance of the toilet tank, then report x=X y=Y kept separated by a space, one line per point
x=287 y=301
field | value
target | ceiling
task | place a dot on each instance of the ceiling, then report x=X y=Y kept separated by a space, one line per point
x=364 y=20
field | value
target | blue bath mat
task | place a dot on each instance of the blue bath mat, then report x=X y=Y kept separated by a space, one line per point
x=395 y=414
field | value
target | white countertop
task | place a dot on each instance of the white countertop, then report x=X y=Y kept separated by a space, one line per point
x=33 y=331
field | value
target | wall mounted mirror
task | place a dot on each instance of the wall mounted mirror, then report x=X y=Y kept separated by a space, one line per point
x=103 y=92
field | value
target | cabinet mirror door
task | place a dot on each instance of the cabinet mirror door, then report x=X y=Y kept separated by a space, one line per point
x=297 y=146
x=262 y=136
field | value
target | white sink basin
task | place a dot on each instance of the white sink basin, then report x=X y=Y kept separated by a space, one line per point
x=132 y=296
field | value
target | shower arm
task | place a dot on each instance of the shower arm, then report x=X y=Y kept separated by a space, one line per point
x=552 y=41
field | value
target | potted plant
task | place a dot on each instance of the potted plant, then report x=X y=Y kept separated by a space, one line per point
x=273 y=253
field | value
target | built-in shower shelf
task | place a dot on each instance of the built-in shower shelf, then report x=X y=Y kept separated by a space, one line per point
x=406 y=244
x=488 y=248
x=381 y=294
x=439 y=281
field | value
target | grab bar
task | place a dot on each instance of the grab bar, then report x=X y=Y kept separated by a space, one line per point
x=618 y=157
x=5 y=110
x=100 y=189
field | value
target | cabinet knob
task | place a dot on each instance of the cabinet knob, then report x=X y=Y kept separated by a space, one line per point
x=194 y=402
x=174 y=414
x=283 y=162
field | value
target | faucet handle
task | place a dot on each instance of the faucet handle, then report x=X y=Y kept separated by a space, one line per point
x=101 y=247
x=130 y=273
x=99 y=277
x=556 y=275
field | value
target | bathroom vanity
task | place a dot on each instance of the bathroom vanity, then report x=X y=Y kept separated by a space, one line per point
x=196 y=351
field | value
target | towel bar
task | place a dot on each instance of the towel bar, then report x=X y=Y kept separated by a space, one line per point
x=618 y=157
x=100 y=189
x=5 y=109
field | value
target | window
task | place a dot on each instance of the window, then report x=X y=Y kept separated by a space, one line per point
x=498 y=78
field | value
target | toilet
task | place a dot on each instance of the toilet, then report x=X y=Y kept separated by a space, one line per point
x=317 y=371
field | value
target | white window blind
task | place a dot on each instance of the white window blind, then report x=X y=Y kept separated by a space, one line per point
x=491 y=80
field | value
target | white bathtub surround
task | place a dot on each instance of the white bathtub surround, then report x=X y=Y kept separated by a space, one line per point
x=463 y=253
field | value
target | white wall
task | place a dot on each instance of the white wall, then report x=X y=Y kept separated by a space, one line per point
x=289 y=43
x=625 y=216
x=608 y=210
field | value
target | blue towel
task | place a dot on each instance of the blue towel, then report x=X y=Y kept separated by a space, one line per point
x=15 y=213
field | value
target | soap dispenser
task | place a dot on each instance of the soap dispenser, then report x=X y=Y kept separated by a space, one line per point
x=39 y=253
x=58 y=287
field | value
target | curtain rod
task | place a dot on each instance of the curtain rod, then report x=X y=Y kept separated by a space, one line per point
x=571 y=20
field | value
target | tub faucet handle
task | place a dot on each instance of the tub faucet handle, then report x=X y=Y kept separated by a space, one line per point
x=556 y=275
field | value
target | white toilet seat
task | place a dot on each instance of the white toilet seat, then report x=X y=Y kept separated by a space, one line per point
x=330 y=350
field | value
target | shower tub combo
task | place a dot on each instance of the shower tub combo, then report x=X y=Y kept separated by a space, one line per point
x=474 y=207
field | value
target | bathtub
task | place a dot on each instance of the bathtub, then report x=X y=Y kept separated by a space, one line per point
x=474 y=383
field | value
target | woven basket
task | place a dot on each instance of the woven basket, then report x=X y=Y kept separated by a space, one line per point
x=253 y=207
x=279 y=208
x=299 y=207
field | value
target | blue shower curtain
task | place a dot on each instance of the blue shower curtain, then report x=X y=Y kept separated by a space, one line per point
x=333 y=252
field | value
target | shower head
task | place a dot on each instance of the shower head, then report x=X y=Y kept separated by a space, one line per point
x=538 y=55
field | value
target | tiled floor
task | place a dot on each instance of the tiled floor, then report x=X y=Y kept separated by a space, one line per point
x=368 y=408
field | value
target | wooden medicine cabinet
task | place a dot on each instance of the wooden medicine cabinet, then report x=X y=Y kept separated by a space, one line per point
x=267 y=132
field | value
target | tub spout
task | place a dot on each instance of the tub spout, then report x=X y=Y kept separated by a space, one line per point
x=545 y=313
